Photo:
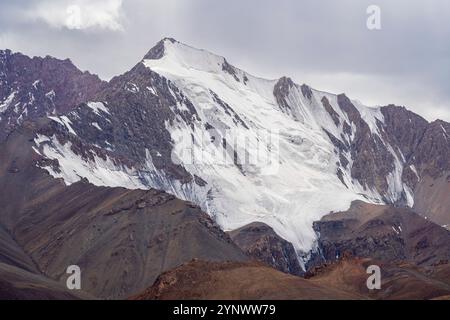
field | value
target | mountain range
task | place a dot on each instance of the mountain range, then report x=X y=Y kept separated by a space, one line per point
x=186 y=156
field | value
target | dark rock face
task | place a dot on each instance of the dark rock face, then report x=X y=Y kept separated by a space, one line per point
x=403 y=128
x=334 y=115
x=426 y=150
x=228 y=110
x=306 y=91
x=404 y=142
x=281 y=91
x=372 y=161
x=230 y=70
x=423 y=145
x=139 y=105
x=157 y=52
x=432 y=155
x=383 y=233
x=406 y=130
x=35 y=87
x=260 y=242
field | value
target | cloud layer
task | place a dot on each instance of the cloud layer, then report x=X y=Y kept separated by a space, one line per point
x=80 y=15
x=323 y=43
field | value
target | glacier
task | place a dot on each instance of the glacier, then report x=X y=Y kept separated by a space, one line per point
x=294 y=185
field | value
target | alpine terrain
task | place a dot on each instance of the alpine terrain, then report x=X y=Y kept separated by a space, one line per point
x=186 y=168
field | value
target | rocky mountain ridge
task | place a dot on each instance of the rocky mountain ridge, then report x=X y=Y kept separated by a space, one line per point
x=329 y=150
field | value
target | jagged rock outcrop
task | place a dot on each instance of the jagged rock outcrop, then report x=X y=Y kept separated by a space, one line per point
x=36 y=87
x=426 y=152
x=261 y=243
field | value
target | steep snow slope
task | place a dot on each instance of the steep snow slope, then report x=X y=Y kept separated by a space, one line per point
x=296 y=190
x=264 y=150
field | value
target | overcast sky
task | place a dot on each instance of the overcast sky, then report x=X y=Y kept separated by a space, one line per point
x=324 y=43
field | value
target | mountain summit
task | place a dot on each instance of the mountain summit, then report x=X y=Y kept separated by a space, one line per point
x=176 y=55
x=247 y=149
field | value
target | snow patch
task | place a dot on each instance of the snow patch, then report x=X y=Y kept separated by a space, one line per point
x=64 y=121
x=95 y=124
x=5 y=104
x=97 y=107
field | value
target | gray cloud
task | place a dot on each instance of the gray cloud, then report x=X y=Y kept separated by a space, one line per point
x=323 y=43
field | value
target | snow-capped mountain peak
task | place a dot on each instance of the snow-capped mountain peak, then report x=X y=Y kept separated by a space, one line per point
x=244 y=148
x=172 y=55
